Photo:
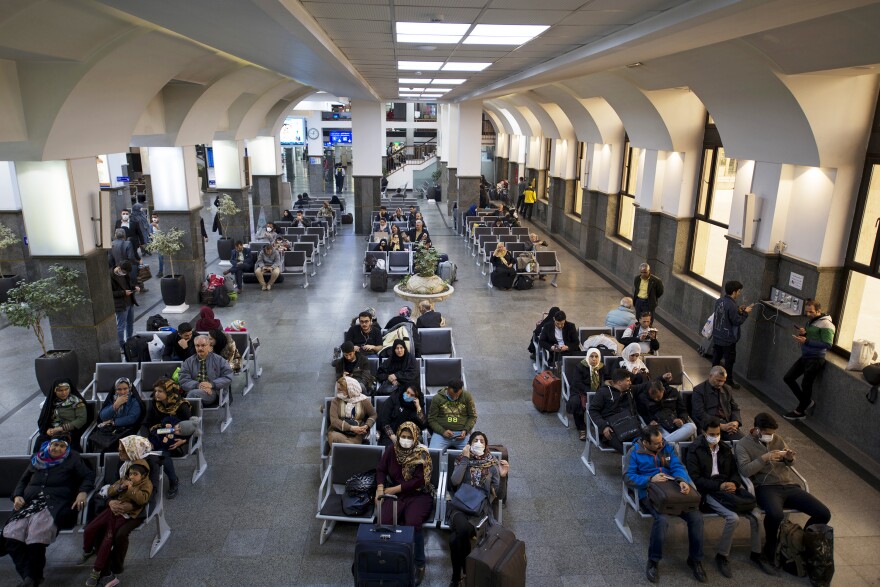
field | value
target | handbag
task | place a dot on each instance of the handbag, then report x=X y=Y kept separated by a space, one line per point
x=862 y=355
x=144 y=273
x=107 y=439
x=469 y=499
x=666 y=419
x=356 y=504
x=667 y=498
x=625 y=426
x=350 y=422
x=740 y=501
x=361 y=482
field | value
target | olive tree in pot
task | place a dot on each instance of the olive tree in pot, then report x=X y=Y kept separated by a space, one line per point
x=226 y=209
x=30 y=303
x=7 y=280
x=173 y=286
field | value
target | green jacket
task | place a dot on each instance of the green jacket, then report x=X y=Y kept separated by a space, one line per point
x=446 y=414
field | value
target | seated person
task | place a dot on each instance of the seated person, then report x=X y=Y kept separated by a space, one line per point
x=663 y=406
x=300 y=201
x=643 y=333
x=504 y=268
x=204 y=374
x=559 y=338
x=653 y=460
x=365 y=336
x=452 y=416
x=405 y=404
x=589 y=376
x=535 y=242
x=286 y=216
x=539 y=327
x=612 y=400
x=713 y=399
x=354 y=364
x=268 y=263
x=179 y=345
x=335 y=201
x=135 y=489
x=411 y=216
x=402 y=318
x=63 y=415
x=224 y=345
x=326 y=212
x=383 y=213
x=395 y=230
x=398 y=216
x=268 y=233
x=351 y=413
x=238 y=259
x=301 y=221
x=383 y=245
x=415 y=234
x=395 y=244
x=622 y=316
x=168 y=410
x=765 y=458
x=478 y=467
x=631 y=360
x=712 y=466
x=405 y=471
x=428 y=317
x=381 y=231
x=120 y=415
x=399 y=370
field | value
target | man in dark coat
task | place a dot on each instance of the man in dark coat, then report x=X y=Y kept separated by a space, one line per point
x=121 y=250
x=713 y=399
x=611 y=400
x=365 y=336
x=123 y=288
x=559 y=338
x=647 y=289
x=179 y=345
x=727 y=319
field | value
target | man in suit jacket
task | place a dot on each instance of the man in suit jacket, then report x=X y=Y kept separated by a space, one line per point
x=714 y=399
x=647 y=289
x=204 y=374
x=559 y=337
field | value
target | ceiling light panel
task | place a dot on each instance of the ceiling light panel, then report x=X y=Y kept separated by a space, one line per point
x=412 y=89
x=419 y=65
x=504 y=34
x=464 y=66
x=430 y=32
x=448 y=82
x=413 y=80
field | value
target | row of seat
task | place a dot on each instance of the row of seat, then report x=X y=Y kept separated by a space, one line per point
x=396 y=263
x=547 y=264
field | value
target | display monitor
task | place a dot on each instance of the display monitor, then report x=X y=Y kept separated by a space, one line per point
x=293 y=132
x=340 y=137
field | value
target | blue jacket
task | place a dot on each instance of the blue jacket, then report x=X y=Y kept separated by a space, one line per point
x=725 y=330
x=127 y=415
x=644 y=464
x=621 y=317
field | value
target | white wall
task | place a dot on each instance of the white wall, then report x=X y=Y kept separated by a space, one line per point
x=10 y=199
x=228 y=165
x=48 y=208
x=265 y=156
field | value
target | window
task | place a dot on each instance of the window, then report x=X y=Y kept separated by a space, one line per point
x=626 y=202
x=548 y=148
x=578 y=200
x=712 y=215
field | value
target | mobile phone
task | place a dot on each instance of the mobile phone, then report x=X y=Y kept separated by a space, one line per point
x=168 y=430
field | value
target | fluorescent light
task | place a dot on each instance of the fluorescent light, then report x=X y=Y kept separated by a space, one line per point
x=431 y=28
x=419 y=65
x=412 y=89
x=509 y=30
x=439 y=39
x=452 y=82
x=439 y=90
x=464 y=66
x=413 y=80
x=481 y=40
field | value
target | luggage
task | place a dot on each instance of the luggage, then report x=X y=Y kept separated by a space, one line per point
x=523 y=282
x=498 y=559
x=156 y=322
x=705 y=348
x=384 y=555
x=546 y=391
x=819 y=554
x=379 y=280
x=447 y=271
x=144 y=273
x=220 y=297
x=668 y=499
x=347 y=219
x=137 y=349
x=790 y=549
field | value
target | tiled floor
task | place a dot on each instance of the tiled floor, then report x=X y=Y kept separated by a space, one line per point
x=250 y=519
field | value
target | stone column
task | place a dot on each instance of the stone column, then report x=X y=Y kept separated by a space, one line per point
x=265 y=157
x=468 y=163
x=268 y=194
x=562 y=192
x=229 y=179
x=468 y=189
x=368 y=145
x=451 y=192
x=367 y=197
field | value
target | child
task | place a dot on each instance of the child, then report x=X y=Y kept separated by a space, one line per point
x=135 y=489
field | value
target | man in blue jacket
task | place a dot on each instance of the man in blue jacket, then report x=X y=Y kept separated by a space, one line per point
x=654 y=461
x=728 y=318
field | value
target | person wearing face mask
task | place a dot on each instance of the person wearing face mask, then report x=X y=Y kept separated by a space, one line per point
x=452 y=416
x=267 y=233
x=122 y=250
x=134 y=232
x=405 y=471
x=404 y=405
x=712 y=466
x=123 y=289
x=713 y=399
x=589 y=376
x=766 y=459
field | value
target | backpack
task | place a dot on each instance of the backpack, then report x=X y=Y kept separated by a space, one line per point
x=156 y=322
x=819 y=554
x=220 y=297
x=523 y=282
x=137 y=349
x=790 y=549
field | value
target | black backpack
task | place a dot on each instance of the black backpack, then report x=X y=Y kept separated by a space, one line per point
x=523 y=282
x=221 y=297
x=137 y=349
x=156 y=322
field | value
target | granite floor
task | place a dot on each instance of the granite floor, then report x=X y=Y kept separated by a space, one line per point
x=250 y=520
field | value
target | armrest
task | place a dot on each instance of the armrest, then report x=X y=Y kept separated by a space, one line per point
x=802 y=478
x=90 y=388
x=84 y=439
x=325 y=488
x=30 y=446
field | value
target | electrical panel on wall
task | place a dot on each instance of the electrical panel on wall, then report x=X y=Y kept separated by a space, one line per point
x=785 y=302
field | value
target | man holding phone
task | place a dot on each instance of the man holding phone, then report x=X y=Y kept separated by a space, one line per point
x=726 y=327
x=815 y=340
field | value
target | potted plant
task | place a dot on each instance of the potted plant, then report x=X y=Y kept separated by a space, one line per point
x=30 y=303
x=424 y=280
x=226 y=209
x=173 y=286
x=7 y=281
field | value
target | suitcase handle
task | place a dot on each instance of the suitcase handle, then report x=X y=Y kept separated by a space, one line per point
x=379 y=525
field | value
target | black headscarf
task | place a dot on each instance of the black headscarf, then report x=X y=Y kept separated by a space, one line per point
x=405 y=365
x=219 y=340
x=45 y=419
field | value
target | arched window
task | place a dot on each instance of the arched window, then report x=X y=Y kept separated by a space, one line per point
x=626 y=201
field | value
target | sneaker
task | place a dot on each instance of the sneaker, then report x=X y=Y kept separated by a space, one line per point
x=268 y=287
x=723 y=565
x=794 y=416
x=759 y=561
x=159 y=275
x=652 y=572
x=94 y=578
x=264 y=288
x=86 y=555
x=697 y=568
x=810 y=408
x=112 y=580
x=173 y=488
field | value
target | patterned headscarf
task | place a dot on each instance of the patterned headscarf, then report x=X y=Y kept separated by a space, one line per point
x=136 y=448
x=172 y=396
x=411 y=458
x=479 y=466
x=43 y=460
x=351 y=392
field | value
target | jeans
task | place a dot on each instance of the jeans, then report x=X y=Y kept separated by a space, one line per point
x=459 y=542
x=124 y=325
x=441 y=442
x=527 y=210
x=773 y=499
x=161 y=265
x=661 y=524
x=809 y=368
x=731 y=520
x=686 y=432
x=237 y=272
x=728 y=354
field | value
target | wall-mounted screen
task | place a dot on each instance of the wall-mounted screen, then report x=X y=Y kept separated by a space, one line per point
x=293 y=132
x=342 y=137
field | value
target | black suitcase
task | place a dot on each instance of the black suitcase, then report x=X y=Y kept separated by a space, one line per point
x=384 y=555
x=497 y=560
x=378 y=279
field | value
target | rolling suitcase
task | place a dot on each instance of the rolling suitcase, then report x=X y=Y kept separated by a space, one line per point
x=497 y=560
x=384 y=555
x=447 y=270
x=378 y=279
x=546 y=391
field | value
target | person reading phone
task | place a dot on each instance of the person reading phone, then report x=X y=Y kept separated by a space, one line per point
x=642 y=333
x=727 y=319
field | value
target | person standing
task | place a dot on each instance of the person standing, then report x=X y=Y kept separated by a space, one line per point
x=521 y=192
x=121 y=250
x=647 y=290
x=123 y=288
x=154 y=227
x=727 y=319
x=815 y=340
x=529 y=199
x=340 y=178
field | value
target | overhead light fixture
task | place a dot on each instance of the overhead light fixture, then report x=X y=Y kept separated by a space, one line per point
x=450 y=82
x=464 y=66
x=419 y=65
x=430 y=32
x=504 y=34
x=413 y=80
x=412 y=89
x=439 y=90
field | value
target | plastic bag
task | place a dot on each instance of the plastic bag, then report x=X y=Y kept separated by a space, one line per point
x=862 y=355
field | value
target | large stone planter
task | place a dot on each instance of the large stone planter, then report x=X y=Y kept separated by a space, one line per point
x=415 y=298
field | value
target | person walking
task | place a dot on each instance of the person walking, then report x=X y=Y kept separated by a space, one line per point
x=727 y=319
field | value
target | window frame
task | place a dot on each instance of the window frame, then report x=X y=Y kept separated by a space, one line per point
x=577 y=203
x=626 y=167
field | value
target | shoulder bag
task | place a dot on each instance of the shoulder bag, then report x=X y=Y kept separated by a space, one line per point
x=667 y=498
x=624 y=425
x=740 y=501
x=469 y=499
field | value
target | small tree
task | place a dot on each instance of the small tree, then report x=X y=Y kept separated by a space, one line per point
x=7 y=239
x=30 y=302
x=166 y=243
x=227 y=209
x=425 y=259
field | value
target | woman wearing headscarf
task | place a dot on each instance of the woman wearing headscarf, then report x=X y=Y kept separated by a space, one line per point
x=63 y=414
x=47 y=498
x=286 y=216
x=406 y=404
x=504 y=268
x=631 y=360
x=351 y=413
x=120 y=415
x=398 y=370
x=395 y=243
x=336 y=201
x=405 y=471
x=477 y=467
x=383 y=245
x=168 y=410
x=589 y=376
x=225 y=346
x=403 y=316
x=548 y=317
x=207 y=321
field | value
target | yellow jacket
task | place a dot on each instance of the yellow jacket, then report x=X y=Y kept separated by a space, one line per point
x=530 y=196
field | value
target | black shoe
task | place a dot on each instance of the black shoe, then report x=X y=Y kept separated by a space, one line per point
x=420 y=575
x=733 y=385
x=723 y=566
x=759 y=561
x=652 y=571
x=810 y=408
x=173 y=487
x=697 y=568
x=794 y=416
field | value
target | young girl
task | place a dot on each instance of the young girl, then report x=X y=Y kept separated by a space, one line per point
x=135 y=489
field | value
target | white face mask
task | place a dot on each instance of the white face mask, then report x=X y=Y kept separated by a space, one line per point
x=477 y=448
x=713 y=440
x=406 y=442
x=125 y=216
x=766 y=438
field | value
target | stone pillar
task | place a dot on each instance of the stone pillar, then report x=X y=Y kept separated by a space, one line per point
x=13 y=259
x=468 y=163
x=316 y=174
x=468 y=189
x=229 y=179
x=367 y=197
x=189 y=261
x=368 y=145
x=289 y=155
x=268 y=195
x=501 y=170
x=562 y=192
x=451 y=188
x=265 y=157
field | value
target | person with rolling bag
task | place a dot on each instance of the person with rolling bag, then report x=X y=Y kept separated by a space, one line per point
x=395 y=557
x=475 y=481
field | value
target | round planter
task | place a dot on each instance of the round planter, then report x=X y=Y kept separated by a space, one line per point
x=8 y=282
x=415 y=298
x=56 y=365
x=173 y=290
x=224 y=248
